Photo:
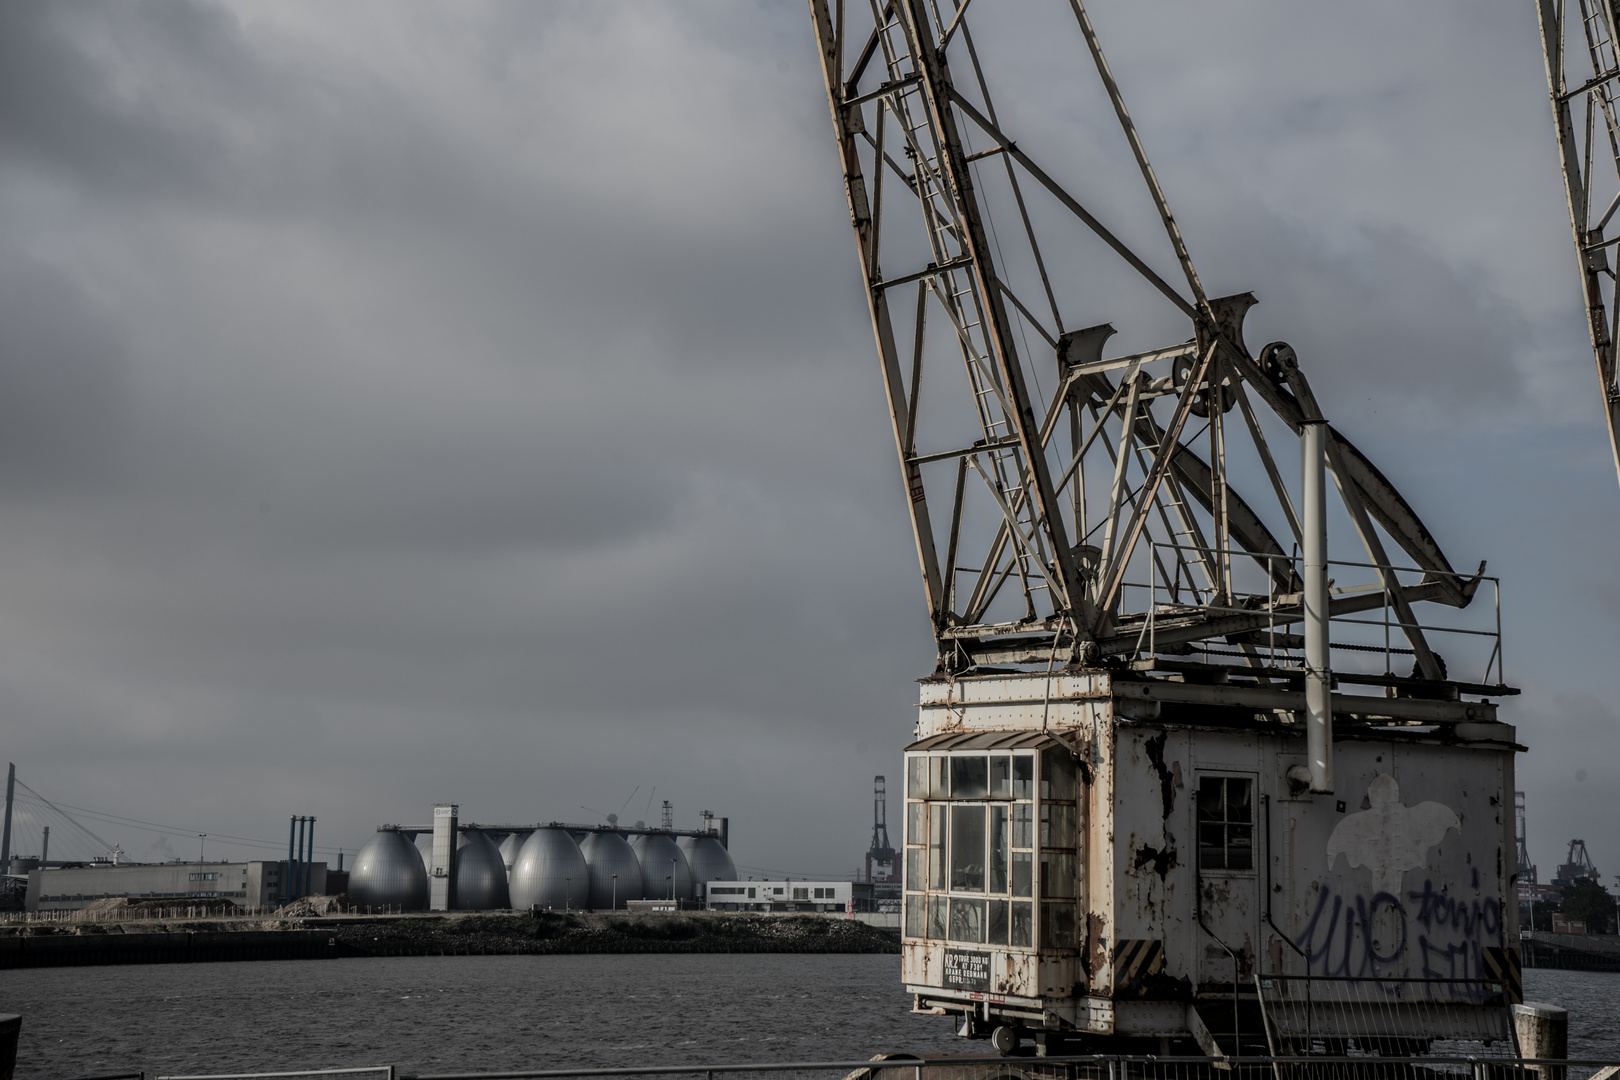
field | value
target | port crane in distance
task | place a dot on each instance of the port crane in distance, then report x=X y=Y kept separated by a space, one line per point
x=1141 y=641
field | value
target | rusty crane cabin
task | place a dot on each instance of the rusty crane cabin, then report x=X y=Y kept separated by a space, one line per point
x=1094 y=852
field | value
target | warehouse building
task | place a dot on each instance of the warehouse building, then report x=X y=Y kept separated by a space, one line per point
x=245 y=884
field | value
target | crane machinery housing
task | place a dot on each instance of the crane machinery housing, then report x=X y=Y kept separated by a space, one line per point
x=1176 y=775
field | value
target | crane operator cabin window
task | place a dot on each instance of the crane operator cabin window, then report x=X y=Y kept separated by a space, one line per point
x=984 y=846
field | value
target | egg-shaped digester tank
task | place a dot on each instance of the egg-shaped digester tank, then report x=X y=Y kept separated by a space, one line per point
x=550 y=872
x=662 y=859
x=424 y=848
x=509 y=851
x=707 y=861
x=480 y=873
x=388 y=873
x=615 y=873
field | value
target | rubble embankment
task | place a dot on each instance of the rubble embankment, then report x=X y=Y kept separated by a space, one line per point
x=304 y=934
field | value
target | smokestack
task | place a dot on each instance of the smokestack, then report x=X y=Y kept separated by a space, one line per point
x=725 y=833
x=1318 y=679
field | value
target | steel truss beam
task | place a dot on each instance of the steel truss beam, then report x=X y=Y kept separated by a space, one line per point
x=1069 y=512
x=1586 y=166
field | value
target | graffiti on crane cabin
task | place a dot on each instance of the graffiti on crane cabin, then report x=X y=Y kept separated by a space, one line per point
x=1388 y=930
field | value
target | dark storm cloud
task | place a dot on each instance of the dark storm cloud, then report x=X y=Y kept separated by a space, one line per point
x=410 y=401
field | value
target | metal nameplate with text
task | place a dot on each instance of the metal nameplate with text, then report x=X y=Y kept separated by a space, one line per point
x=967 y=970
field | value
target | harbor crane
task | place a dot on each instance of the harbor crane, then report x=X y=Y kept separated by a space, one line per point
x=1578 y=43
x=1133 y=607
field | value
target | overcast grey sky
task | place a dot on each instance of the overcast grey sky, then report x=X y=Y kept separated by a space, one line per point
x=408 y=401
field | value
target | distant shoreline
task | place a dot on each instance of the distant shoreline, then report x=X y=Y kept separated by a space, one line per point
x=437 y=934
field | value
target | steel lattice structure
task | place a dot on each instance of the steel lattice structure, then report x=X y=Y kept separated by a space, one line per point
x=1037 y=515
x=1591 y=166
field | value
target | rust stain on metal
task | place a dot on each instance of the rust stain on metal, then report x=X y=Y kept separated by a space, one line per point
x=1095 y=956
x=1019 y=974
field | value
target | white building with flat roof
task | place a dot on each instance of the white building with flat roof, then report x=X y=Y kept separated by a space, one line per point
x=846 y=896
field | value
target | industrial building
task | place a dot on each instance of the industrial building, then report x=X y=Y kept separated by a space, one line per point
x=254 y=884
x=450 y=866
x=784 y=896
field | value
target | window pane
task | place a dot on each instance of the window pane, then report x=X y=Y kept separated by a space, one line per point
x=936 y=846
x=1057 y=773
x=1057 y=874
x=915 y=908
x=1211 y=799
x=936 y=918
x=915 y=815
x=1212 y=845
x=1023 y=831
x=1240 y=847
x=1057 y=926
x=1021 y=921
x=1000 y=776
x=914 y=869
x=998 y=849
x=1023 y=776
x=1057 y=825
x=967 y=920
x=1237 y=800
x=1022 y=872
x=996 y=933
x=917 y=776
x=970 y=777
x=939 y=786
x=967 y=848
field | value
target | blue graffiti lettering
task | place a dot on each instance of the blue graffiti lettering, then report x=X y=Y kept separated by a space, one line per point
x=1370 y=936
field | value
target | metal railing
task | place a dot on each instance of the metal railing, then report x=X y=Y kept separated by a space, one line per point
x=1102 y=1067
x=1379 y=629
x=387 y=1069
x=1030 y=1067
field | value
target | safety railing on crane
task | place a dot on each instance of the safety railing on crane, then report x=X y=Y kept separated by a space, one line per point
x=1374 y=629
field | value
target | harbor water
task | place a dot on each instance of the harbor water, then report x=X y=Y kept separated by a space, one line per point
x=506 y=1012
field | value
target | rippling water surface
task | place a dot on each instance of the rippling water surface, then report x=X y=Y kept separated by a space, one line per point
x=463 y=1012
x=504 y=1012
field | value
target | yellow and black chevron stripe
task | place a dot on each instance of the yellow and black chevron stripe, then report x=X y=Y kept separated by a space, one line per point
x=1134 y=960
x=1502 y=965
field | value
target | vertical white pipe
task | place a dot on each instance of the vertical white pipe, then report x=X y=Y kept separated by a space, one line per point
x=1318 y=680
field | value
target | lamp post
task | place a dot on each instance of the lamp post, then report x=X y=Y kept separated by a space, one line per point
x=672 y=880
x=202 y=838
x=615 y=892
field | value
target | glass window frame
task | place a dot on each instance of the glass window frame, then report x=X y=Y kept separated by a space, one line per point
x=1226 y=824
x=1013 y=906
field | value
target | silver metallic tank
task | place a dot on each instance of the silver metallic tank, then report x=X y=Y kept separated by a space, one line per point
x=660 y=858
x=424 y=847
x=615 y=873
x=550 y=872
x=708 y=861
x=509 y=850
x=480 y=873
x=388 y=873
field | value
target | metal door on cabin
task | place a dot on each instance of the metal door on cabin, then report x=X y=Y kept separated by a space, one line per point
x=1228 y=895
